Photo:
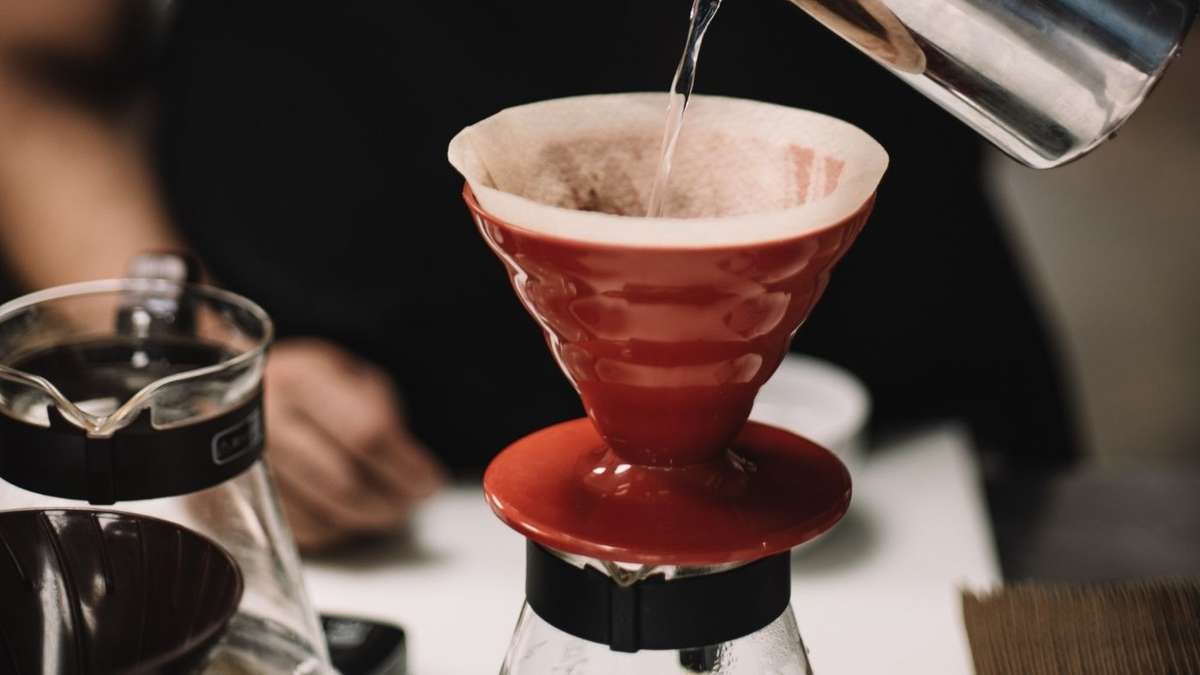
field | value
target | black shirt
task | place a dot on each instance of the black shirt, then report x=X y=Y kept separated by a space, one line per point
x=303 y=145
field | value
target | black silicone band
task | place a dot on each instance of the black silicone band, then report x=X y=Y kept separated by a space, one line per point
x=137 y=462
x=683 y=613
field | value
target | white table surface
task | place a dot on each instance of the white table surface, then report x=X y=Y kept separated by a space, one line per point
x=880 y=594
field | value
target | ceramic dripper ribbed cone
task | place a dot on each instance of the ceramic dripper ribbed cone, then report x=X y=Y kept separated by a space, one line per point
x=668 y=327
x=660 y=527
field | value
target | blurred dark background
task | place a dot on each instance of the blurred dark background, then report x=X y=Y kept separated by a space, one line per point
x=303 y=154
x=300 y=151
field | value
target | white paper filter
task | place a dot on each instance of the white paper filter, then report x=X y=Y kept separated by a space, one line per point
x=581 y=168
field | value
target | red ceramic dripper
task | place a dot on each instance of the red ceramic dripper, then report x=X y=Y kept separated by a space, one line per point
x=668 y=343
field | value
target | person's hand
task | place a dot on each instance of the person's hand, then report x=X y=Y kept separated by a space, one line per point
x=343 y=459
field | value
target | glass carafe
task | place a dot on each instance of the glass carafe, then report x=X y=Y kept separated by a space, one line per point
x=593 y=617
x=146 y=394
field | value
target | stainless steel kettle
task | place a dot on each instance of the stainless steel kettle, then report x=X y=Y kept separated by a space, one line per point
x=1046 y=81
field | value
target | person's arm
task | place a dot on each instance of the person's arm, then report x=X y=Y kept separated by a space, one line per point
x=78 y=201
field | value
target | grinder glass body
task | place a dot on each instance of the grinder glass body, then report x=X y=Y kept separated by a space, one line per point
x=146 y=394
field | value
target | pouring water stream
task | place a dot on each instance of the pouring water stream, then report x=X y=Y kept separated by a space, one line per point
x=702 y=15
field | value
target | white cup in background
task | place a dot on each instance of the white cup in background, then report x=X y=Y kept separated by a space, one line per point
x=819 y=401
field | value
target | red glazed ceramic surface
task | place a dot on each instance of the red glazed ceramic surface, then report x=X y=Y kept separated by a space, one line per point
x=562 y=488
x=668 y=348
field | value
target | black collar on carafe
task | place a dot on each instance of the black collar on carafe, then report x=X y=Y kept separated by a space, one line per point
x=137 y=461
x=685 y=612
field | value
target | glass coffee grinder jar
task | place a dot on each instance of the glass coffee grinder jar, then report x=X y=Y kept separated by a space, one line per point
x=146 y=394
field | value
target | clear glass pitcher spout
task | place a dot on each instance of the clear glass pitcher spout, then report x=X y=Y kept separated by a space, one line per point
x=100 y=353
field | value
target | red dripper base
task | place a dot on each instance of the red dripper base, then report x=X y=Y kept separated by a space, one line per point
x=773 y=490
